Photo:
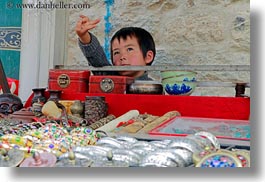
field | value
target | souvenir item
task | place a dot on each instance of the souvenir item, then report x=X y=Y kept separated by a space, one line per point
x=50 y=109
x=69 y=81
x=204 y=142
x=67 y=104
x=44 y=159
x=11 y=158
x=219 y=159
x=102 y=122
x=36 y=109
x=109 y=142
x=77 y=109
x=221 y=128
x=125 y=117
x=133 y=159
x=55 y=95
x=110 y=163
x=77 y=121
x=178 y=82
x=9 y=103
x=162 y=159
x=210 y=137
x=94 y=152
x=95 y=108
x=38 y=96
x=144 y=87
x=109 y=84
x=126 y=139
x=144 y=144
x=185 y=154
x=243 y=156
x=24 y=115
x=73 y=160
x=82 y=136
x=187 y=144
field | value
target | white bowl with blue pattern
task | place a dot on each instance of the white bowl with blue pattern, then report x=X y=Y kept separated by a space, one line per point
x=179 y=88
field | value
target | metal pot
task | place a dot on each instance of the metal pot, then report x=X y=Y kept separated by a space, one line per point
x=145 y=87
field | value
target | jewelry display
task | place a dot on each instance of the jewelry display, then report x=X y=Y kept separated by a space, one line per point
x=219 y=159
x=161 y=160
x=49 y=143
x=95 y=152
x=186 y=143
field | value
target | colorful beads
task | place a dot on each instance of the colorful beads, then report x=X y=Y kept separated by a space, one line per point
x=48 y=138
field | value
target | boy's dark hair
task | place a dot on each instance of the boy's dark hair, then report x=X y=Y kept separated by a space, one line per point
x=145 y=39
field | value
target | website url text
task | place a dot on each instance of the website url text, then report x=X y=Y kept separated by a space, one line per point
x=50 y=5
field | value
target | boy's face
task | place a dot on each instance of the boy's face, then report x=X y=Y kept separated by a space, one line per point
x=127 y=52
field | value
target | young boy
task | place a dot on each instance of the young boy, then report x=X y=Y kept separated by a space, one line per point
x=130 y=46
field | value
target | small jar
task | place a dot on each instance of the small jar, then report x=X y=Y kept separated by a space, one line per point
x=38 y=95
x=54 y=95
x=77 y=109
x=95 y=108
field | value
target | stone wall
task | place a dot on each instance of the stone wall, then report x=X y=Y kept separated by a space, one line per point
x=186 y=32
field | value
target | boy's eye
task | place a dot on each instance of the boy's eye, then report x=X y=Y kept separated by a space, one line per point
x=129 y=49
x=116 y=52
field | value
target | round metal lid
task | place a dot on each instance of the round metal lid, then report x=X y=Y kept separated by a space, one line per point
x=11 y=158
x=74 y=161
x=40 y=160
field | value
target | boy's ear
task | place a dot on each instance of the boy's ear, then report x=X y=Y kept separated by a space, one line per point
x=149 y=57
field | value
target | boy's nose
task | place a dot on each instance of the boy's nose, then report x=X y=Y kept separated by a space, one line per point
x=122 y=58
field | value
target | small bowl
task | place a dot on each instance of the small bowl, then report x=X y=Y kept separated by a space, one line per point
x=179 y=87
x=179 y=79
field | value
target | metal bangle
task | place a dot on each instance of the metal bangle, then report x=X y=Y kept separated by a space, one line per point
x=210 y=137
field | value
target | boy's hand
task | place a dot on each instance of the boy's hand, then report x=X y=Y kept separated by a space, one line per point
x=83 y=26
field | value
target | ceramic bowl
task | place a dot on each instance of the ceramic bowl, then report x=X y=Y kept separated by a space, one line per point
x=179 y=87
x=170 y=76
x=180 y=79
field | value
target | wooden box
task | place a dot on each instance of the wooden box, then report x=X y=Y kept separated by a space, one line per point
x=69 y=80
x=109 y=84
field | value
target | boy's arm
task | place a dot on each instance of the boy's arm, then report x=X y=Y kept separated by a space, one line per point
x=94 y=53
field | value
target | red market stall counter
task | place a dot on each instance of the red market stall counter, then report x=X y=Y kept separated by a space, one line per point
x=192 y=106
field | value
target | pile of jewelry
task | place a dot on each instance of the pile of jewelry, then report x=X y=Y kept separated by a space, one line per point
x=49 y=137
x=53 y=146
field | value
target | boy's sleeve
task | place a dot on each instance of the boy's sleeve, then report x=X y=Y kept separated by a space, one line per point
x=94 y=53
